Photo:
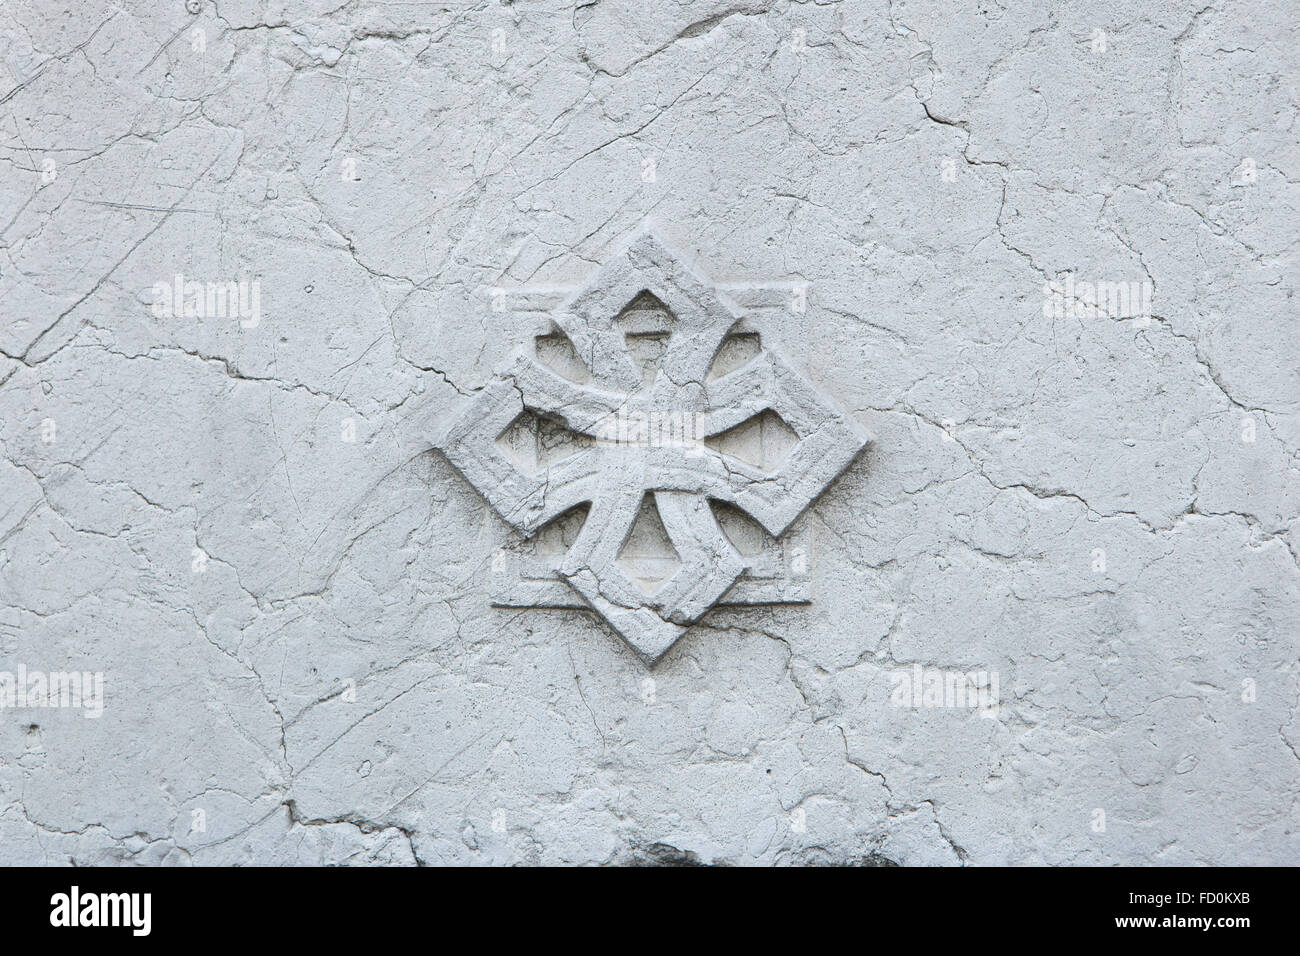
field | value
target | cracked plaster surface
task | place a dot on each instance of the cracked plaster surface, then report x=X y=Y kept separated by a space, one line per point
x=289 y=594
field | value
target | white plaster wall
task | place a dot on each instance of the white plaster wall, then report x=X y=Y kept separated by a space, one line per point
x=300 y=657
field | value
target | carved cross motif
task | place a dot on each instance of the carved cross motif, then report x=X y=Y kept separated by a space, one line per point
x=636 y=401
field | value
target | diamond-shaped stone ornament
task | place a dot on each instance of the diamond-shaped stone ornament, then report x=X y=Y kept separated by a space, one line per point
x=648 y=411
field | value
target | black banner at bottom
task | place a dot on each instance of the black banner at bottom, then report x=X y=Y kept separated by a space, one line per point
x=339 y=907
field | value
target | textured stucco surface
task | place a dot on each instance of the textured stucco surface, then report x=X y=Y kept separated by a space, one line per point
x=241 y=524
